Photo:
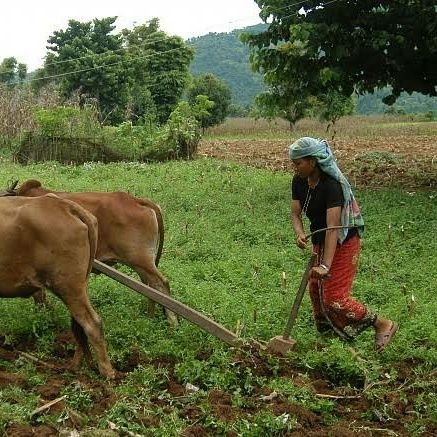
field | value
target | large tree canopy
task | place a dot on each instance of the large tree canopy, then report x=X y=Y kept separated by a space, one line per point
x=124 y=73
x=314 y=48
x=158 y=63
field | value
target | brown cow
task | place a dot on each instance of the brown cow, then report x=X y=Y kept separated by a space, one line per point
x=50 y=243
x=131 y=232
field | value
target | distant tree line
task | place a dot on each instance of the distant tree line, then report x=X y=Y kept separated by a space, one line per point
x=414 y=103
x=132 y=89
x=148 y=91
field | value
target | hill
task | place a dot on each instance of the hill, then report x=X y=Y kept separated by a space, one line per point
x=225 y=56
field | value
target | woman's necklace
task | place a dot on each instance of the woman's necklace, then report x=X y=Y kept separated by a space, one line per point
x=307 y=201
x=310 y=191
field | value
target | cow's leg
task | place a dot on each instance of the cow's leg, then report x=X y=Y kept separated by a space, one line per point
x=83 y=347
x=83 y=313
x=151 y=276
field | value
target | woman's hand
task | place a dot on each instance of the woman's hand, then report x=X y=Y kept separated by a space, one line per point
x=319 y=272
x=301 y=241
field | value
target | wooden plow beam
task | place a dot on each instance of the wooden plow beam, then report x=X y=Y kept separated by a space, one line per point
x=179 y=308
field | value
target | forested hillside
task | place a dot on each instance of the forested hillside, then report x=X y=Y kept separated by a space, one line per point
x=224 y=55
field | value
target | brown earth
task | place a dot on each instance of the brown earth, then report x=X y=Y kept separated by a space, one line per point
x=352 y=406
x=409 y=161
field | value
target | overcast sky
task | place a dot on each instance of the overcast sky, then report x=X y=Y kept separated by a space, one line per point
x=26 y=25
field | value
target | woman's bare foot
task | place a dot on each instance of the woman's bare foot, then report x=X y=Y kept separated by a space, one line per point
x=385 y=330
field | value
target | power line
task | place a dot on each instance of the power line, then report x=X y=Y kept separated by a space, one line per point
x=126 y=49
x=150 y=55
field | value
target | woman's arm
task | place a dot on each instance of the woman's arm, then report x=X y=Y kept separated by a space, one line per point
x=333 y=218
x=296 y=221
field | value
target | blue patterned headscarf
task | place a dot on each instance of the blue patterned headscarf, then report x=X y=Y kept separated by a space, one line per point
x=319 y=149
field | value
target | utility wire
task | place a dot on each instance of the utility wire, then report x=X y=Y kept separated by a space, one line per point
x=126 y=49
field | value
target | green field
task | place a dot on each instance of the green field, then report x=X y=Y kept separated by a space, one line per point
x=228 y=248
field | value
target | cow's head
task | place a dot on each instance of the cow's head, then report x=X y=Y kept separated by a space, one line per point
x=31 y=188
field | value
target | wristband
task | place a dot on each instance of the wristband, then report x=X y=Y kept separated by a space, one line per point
x=324 y=266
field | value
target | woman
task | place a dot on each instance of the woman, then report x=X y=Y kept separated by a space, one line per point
x=323 y=194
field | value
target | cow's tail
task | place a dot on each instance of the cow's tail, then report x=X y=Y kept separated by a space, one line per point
x=86 y=217
x=158 y=213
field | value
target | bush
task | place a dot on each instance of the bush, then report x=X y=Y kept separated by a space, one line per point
x=67 y=121
x=178 y=138
x=182 y=131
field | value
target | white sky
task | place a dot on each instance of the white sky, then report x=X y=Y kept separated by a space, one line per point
x=26 y=25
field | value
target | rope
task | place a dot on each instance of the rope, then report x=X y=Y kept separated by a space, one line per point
x=329 y=228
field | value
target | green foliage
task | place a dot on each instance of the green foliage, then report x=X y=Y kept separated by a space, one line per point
x=130 y=141
x=157 y=62
x=181 y=132
x=17 y=404
x=345 y=47
x=217 y=92
x=66 y=121
x=218 y=372
x=226 y=57
x=136 y=75
x=11 y=71
x=275 y=103
x=201 y=109
x=78 y=397
x=177 y=138
x=87 y=57
x=333 y=106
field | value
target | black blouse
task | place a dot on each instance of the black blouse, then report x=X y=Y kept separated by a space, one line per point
x=316 y=201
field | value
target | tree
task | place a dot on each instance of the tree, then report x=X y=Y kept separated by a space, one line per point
x=87 y=58
x=11 y=71
x=217 y=92
x=127 y=73
x=284 y=102
x=159 y=63
x=331 y=107
x=341 y=47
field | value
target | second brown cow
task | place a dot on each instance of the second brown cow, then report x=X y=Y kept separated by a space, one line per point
x=131 y=232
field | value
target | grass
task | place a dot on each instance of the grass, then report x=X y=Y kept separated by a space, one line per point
x=228 y=247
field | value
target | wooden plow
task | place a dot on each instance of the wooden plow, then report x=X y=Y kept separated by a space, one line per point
x=179 y=308
x=278 y=344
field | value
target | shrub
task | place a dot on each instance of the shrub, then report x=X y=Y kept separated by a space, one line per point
x=66 y=121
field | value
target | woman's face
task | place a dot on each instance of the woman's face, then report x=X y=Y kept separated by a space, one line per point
x=304 y=167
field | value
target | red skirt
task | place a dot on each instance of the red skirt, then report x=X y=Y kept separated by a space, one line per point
x=333 y=306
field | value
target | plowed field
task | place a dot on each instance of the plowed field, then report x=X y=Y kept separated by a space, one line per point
x=405 y=160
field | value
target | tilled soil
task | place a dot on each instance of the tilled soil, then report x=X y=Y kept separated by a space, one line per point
x=407 y=161
x=357 y=414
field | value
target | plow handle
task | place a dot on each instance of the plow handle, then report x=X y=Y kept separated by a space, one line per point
x=299 y=297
